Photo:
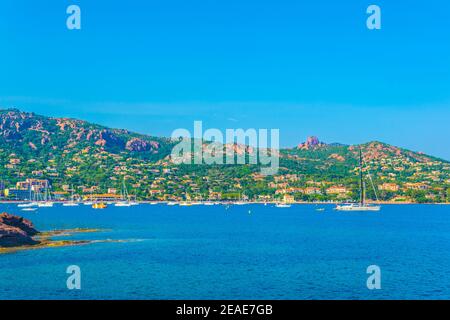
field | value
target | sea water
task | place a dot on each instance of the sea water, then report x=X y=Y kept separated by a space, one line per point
x=237 y=252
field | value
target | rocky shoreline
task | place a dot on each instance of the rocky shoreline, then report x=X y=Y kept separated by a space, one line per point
x=18 y=234
x=16 y=231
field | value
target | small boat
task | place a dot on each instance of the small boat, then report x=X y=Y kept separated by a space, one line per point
x=209 y=203
x=99 y=205
x=45 y=204
x=241 y=201
x=283 y=205
x=153 y=203
x=29 y=209
x=122 y=204
x=185 y=204
x=70 y=204
x=88 y=203
x=27 y=205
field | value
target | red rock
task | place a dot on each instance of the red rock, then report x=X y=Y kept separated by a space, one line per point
x=140 y=145
x=311 y=143
x=16 y=231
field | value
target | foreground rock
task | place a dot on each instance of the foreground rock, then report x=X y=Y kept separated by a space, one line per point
x=17 y=234
x=16 y=231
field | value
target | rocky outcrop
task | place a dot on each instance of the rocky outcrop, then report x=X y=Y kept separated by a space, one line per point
x=109 y=139
x=311 y=143
x=16 y=231
x=140 y=145
x=239 y=149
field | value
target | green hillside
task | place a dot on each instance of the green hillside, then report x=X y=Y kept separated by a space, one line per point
x=95 y=158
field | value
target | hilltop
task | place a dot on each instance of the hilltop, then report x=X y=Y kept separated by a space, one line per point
x=96 y=159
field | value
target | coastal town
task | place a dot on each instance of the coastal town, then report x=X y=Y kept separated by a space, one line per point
x=62 y=159
x=165 y=182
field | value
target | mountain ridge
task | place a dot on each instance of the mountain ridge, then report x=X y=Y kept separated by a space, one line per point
x=311 y=140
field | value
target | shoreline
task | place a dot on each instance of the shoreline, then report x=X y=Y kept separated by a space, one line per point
x=193 y=203
x=44 y=240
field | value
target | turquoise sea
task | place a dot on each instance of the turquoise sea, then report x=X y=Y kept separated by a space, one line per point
x=243 y=252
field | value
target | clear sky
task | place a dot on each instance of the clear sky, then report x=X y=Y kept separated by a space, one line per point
x=305 y=67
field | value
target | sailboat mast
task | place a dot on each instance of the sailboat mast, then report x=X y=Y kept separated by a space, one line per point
x=361 y=177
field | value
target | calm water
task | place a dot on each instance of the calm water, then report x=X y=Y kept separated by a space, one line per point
x=205 y=252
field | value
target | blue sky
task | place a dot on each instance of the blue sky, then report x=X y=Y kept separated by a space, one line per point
x=305 y=67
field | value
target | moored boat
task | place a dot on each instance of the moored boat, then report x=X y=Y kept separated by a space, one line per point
x=362 y=205
x=45 y=204
x=99 y=205
x=70 y=204
x=122 y=204
x=27 y=205
x=358 y=207
x=283 y=205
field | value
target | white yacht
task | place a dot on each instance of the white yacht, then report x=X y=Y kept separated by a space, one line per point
x=362 y=205
x=357 y=207
x=122 y=204
x=72 y=202
x=125 y=202
x=46 y=203
x=28 y=204
x=283 y=205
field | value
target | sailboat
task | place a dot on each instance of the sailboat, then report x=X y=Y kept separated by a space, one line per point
x=28 y=204
x=241 y=202
x=125 y=197
x=72 y=202
x=46 y=203
x=362 y=205
x=283 y=204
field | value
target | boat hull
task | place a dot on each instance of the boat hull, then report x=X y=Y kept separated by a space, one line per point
x=358 y=208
